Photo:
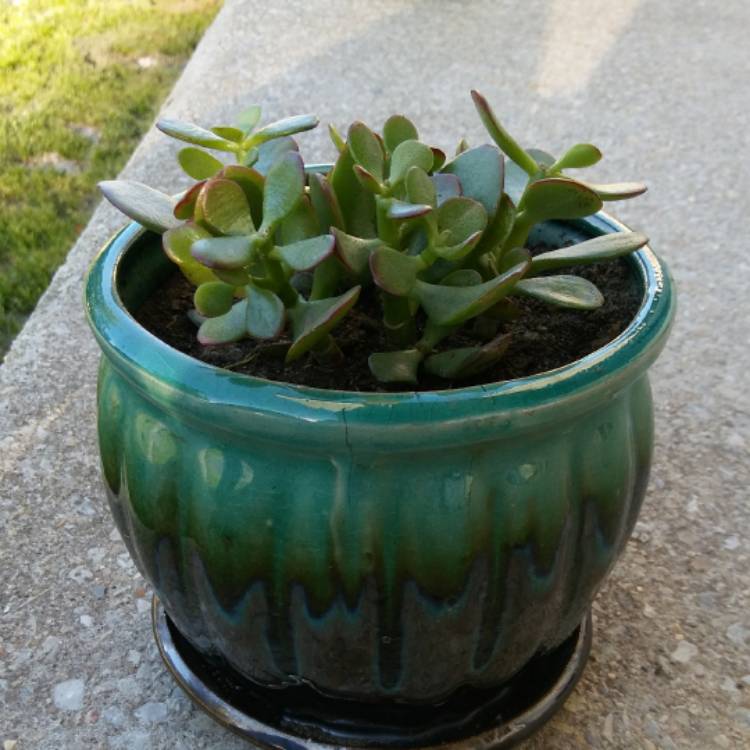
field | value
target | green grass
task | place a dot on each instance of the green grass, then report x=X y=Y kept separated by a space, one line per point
x=80 y=81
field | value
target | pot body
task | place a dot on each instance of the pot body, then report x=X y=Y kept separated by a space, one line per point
x=374 y=546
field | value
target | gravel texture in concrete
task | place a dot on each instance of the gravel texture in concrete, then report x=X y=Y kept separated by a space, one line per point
x=661 y=86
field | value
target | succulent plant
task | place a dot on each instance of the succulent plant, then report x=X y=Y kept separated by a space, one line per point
x=275 y=252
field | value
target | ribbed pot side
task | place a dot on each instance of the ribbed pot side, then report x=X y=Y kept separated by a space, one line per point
x=372 y=545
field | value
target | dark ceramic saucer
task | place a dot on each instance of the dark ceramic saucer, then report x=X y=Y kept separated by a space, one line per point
x=300 y=718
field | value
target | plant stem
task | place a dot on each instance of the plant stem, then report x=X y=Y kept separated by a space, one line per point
x=398 y=320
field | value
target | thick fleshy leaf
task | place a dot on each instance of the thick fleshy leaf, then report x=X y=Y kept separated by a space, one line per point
x=251 y=157
x=513 y=257
x=311 y=321
x=618 y=191
x=229 y=132
x=357 y=204
x=284 y=187
x=463 y=145
x=214 y=298
x=564 y=291
x=227 y=253
x=287 y=126
x=606 y=247
x=481 y=173
x=249 y=119
x=499 y=227
x=185 y=206
x=177 y=243
x=367 y=180
x=396 y=130
x=438 y=158
x=467 y=361
x=324 y=202
x=420 y=188
x=366 y=150
x=224 y=329
x=577 y=157
x=407 y=155
x=306 y=254
x=270 y=151
x=197 y=164
x=541 y=157
x=460 y=218
x=354 y=252
x=336 y=138
x=186 y=131
x=446 y=186
x=224 y=208
x=251 y=181
x=300 y=224
x=559 y=198
x=394 y=272
x=461 y=249
x=265 y=315
x=452 y=305
x=400 y=210
x=395 y=367
x=501 y=136
x=236 y=277
x=462 y=277
x=149 y=207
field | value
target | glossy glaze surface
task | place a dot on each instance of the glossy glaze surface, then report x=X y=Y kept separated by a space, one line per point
x=372 y=545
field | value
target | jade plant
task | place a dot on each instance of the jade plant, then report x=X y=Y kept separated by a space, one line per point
x=279 y=252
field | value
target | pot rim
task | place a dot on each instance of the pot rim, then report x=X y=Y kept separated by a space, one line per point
x=167 y=376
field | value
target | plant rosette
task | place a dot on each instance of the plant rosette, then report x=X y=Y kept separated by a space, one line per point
x=378 y=548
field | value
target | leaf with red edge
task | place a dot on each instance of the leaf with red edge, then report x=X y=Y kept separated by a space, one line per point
x=393 y=271
x=177 y=243
x=185 y=206
x=366 y=149
x=398 y=129
x=354 y=252
x=224 y=208
x=400 y=210
x=150 y=208
x=466 y=362
x=226 y=253
x=284 y=187
x=306 y=254
x=395 y=367
x=227 y=328
x=564 y=291
x=446 y=186
x=251 y=181
x=325 y=203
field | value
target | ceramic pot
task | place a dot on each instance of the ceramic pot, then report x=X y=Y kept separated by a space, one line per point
x=372 y=545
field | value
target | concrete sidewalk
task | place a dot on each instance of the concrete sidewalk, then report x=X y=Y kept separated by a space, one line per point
x=661 y=86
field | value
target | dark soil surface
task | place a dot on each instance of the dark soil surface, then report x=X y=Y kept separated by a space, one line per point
x=543 y=337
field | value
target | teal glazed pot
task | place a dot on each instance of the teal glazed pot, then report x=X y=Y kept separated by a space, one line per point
x=374 y=546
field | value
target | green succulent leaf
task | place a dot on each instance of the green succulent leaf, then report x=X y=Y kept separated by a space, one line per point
x=396 y=130
x=463 y=145
x=300 y=224
x=466 y=362
x=213 y=298
x=311 y=321
x=284 y=187
x=149 y=207
x=236 y=277
x=325 y=203
x=409 y=154
x=287 y=126
x=185 y=206
x=513 y=257
x=393 y=271
x=271 y=151
x=249 y=119
x=606 y=247
x=367 y=180
x=395 y=367
x=499 y=227
x=224 y=208
x=354 y=252
x=481 y=173
x=543 y=158
x=227 y=328
x=229 y=133
x=438 y=158
x=460 y=218
x=366 y=150
x=265 y=313
x=306 y=254
x=400 y=210
x=461 y=249
x=501 y=136
x=336 y=138
x=250 y=159
x=577 y=157
x=251 y=181
x=618 y=191
x=357 y=204
x=446 y=186
x=452 y=305
x=186 y=131
x=227 y=253
x=462 y=277
x=559 y=198
x=177 y=243
x=197 y=164
x=564 y=291
x=420 y=189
